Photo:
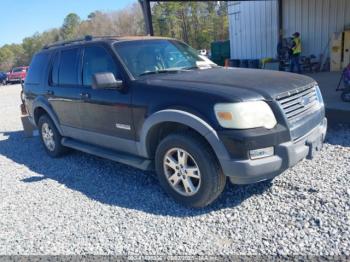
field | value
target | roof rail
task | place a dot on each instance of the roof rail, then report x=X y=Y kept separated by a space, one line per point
x=63 y=43
x=83 y=39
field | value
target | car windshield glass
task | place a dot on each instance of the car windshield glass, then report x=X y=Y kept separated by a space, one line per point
x=146 y=57
x=16 y=70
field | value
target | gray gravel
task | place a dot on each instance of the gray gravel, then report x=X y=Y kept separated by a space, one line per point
x=81 y=204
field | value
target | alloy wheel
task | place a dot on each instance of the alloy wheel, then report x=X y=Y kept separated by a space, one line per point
x=48 y=137
x=182 y=172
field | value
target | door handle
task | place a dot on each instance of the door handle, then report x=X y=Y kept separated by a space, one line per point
x=50 y=92
x=85 y=95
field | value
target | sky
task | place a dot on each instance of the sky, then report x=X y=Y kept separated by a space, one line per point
x=22 y=18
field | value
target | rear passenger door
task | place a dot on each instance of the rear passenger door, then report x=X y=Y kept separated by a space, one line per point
x=65 y=89
x=105 y=113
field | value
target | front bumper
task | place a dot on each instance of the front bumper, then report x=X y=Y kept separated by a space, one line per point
x=286 y=155
x=13 y=80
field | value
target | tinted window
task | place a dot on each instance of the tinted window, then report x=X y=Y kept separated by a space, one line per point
x=54 y=70
x=37 y=68
x=69 y=63
x=97 y=60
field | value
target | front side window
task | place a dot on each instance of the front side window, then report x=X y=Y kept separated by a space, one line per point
x=69 y=64
x=97 y=60
x=147 y=56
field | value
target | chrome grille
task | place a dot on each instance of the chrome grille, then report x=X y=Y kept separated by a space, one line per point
x=298 y=103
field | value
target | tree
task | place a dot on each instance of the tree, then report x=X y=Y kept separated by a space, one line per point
x=197 y=23
x=70 y=26
x=6 y=58
x=31 y=45
x=128 y=21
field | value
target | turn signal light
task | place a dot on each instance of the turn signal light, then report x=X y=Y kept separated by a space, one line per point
x=226 y=116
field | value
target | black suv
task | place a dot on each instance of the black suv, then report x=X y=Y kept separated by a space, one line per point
x=154 y=103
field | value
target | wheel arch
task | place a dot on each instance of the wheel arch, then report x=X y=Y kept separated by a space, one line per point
x=184 y=119
x=40 y=107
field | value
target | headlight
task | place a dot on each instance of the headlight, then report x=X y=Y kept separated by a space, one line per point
x=319 y=95
x=245 y=115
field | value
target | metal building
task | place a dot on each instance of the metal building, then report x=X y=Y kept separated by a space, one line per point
x=255 y=25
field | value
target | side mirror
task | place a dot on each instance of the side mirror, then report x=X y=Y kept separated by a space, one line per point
x=106 y=81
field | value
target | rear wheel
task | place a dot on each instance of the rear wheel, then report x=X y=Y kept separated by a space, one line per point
x=50 y=137
x=188 y=170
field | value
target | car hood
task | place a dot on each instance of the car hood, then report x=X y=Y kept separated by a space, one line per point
x=251 y=83
x=16 y=74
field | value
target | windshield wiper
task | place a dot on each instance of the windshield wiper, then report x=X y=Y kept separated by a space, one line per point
x=160 y=72
x=189 y=68
x=173 y=70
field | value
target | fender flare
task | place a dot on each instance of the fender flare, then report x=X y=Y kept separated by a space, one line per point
x=43 y=103
x=185 y=118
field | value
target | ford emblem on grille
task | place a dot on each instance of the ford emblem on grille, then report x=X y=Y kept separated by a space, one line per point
x=304 y=101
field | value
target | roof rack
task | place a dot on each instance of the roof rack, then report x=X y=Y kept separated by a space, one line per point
x=63 y=43
x=83 y=39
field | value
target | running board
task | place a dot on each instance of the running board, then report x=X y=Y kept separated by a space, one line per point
x=127 y=159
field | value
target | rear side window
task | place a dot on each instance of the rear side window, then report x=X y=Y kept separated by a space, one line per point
x=37 y=68
x=97 y=60
x=68 y=71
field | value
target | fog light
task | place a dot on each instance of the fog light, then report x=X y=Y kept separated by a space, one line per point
x=261 y=153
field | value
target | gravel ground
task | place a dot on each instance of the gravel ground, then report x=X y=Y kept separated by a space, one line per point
x=81 y=204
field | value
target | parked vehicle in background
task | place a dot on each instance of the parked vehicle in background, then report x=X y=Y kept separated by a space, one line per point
x=17 y=75
x=154 y=102
x=3 y=78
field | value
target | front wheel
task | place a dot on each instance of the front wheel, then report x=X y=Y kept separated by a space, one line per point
x=188 y=170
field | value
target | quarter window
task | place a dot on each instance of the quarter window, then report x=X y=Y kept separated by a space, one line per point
x=37 y=68
x=97 y=60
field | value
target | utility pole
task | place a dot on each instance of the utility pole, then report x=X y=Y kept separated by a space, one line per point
x=147 y=14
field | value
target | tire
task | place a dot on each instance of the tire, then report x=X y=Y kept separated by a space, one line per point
x=22 y=97
x=46 y=127
x=211 y=180
x=345 y=96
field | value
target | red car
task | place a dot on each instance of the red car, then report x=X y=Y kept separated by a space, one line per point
x=17 y=75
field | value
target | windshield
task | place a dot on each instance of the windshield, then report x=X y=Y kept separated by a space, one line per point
x=157 y=56
x=18 y=69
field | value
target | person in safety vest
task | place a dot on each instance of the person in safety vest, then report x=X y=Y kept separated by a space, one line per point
x=295 y=53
